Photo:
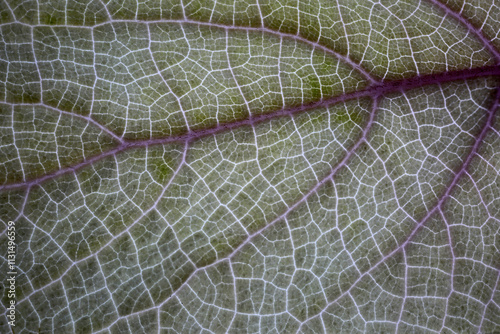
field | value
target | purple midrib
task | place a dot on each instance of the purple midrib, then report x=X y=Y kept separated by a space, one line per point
x=374 y=90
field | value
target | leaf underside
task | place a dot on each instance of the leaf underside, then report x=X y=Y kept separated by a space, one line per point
x=251 y=166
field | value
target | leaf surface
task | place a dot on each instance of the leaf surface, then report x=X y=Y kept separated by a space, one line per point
x=251 y=166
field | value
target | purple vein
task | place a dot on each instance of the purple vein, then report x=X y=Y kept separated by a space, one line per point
x=471 y=28
x=88 y=119
x=116 y=236
x=314 y=45
x=441 y=201
x=490 y=301
x=250 y=237
x=377 y=89
x=291 y=208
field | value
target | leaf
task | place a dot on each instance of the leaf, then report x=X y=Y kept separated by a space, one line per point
x=251 y=166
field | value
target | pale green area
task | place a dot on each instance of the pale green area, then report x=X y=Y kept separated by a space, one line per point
x=37 y=140
x=65 y=60
x=19 y=79
x=235 y=183
x=145 y=10
x=71 y=12
x=484 y=14
x=422 y=145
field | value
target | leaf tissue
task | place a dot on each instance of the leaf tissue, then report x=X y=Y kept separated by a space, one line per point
x=250 y=166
